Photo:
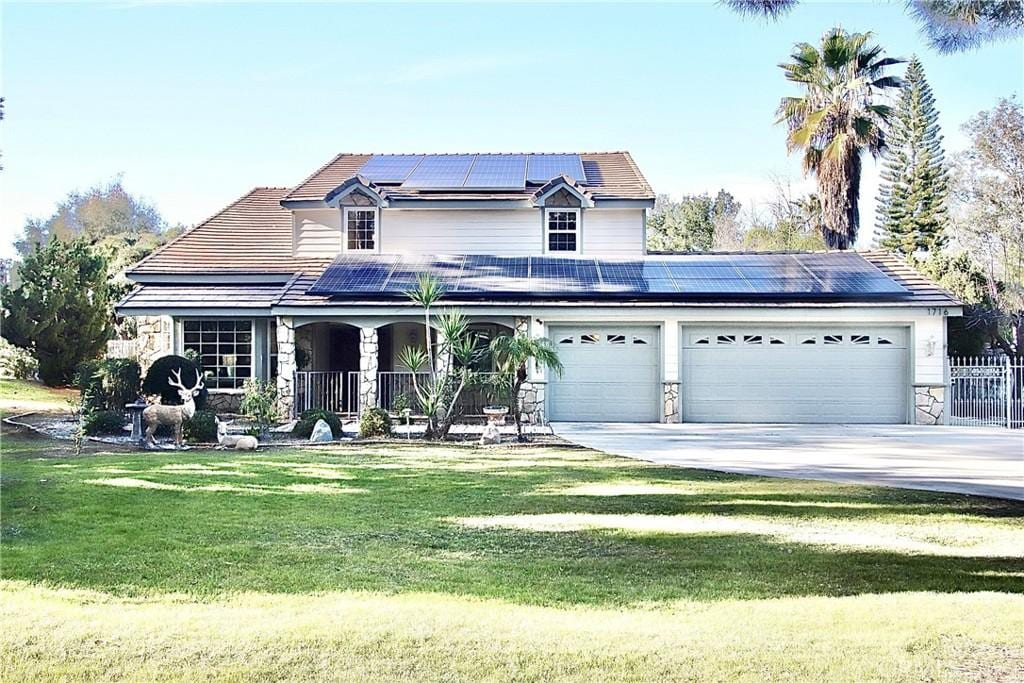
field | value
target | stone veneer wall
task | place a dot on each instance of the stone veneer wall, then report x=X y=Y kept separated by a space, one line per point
x=285 y=366
x=929 y=404
x=670 y=402
x=368 y=365
x=155 y=338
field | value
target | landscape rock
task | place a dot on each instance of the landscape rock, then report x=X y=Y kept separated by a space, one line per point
x=321 y=433
x=491 y=435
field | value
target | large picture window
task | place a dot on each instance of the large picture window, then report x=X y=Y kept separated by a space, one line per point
x=360 y=229
x=563 y=230
x=224 y=348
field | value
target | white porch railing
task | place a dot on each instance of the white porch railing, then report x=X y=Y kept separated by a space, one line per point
x=985 y=391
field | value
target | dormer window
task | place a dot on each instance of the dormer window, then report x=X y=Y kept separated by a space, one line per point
x=361 y=229
x=562 y=230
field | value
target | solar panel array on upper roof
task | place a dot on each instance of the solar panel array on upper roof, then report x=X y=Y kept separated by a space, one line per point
x=544 y=167
x=477 y=171
x=441 y=171
x=738 y=277
x=390 y=168
x=498 y=172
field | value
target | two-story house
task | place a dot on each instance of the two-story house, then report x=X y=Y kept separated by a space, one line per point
x=306 y=286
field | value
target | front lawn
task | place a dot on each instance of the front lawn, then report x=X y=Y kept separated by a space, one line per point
x=22 y=395
x=460 y=563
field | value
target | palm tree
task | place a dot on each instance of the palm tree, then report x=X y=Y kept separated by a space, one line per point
x=836 y=119
x=511 y=355
x=949 y=25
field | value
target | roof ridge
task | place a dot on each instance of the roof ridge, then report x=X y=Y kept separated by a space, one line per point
x=195 y=227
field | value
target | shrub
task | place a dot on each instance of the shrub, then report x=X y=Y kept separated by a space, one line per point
x=16 y=363
x=202 y=428
x=103 y=422
x=108 y=384
x=374 y=422
x=259 y=404
x=307 y=420
x=160 y=372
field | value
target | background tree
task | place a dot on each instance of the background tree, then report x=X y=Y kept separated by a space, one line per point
x=911 y=213
x=690 y=223
x=792 y=224
x=122 y=227
x=836 y=119
x=988 y=215
x=61 y=311
x=949 y=25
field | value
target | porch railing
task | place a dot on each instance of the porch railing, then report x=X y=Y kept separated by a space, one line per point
x=985 y=391
x=339 y=391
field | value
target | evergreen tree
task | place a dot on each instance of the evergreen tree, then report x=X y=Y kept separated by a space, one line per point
x=61 y=311
x=911 y=212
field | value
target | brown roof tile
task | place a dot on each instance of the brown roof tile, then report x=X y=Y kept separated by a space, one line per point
x=924 y=290
x=251 y=235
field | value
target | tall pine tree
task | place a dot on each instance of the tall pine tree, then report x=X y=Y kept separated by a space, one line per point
x=911 y=213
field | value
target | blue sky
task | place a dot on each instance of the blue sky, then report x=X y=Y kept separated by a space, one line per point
x=194 y=104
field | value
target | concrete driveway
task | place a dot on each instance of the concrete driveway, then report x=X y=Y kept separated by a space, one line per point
x=980 y=461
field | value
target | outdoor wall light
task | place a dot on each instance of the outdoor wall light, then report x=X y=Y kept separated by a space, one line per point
x=930 y=345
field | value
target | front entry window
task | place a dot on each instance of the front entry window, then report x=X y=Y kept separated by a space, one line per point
x=224 y=349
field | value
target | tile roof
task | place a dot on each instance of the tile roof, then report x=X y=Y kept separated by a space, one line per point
x=237 y=296
x=610 y=175
x=251 y=235
x=924 y=290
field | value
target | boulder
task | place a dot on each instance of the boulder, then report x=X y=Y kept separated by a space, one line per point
x=321 y=432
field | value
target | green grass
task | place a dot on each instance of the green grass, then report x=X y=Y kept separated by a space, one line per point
x=31 y=395
x=462 y=563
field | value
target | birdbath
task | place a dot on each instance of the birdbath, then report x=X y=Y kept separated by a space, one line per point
x=495 y=414
x=135 y=412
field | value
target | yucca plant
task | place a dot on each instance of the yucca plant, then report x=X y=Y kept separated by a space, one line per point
x=836 y=119
x=439 y=395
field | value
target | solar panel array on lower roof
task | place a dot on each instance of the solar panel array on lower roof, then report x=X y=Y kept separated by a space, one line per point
x=476 y=171
x=734 y=277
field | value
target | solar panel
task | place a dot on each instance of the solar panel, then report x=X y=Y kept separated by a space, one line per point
x=390 y=168
x=354 y=274
x=494 y=274
x=769 y=277
x=499 y=171
x=440 y=171
x=543 y=167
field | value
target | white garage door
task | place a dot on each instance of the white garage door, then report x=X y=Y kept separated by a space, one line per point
x=794 y=374
x=611 y=374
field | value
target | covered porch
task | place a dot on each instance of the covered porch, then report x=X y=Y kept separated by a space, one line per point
x=347 y=366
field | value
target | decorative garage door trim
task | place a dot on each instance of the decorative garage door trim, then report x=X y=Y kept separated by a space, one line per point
x=821 y=373
x=612 y=373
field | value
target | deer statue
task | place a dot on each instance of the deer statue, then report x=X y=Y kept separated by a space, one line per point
x=173 y=416
x=239 y=443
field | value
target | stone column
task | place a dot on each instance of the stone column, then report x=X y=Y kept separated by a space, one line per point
x=670 y=402
x=368 y=350
x=155 y=338
x=929 y=404
x=285 y=367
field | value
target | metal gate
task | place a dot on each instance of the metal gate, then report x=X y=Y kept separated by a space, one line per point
x=985 y=391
